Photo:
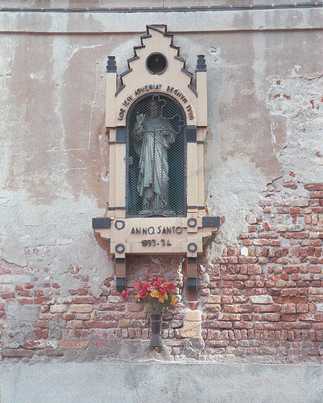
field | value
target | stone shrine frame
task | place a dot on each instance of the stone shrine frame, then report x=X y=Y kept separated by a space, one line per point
x=156 y=120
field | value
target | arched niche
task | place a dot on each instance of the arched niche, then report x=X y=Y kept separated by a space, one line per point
x=156 y=156
x=156 y=83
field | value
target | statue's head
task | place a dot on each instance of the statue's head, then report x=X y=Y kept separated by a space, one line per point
x=154 y=109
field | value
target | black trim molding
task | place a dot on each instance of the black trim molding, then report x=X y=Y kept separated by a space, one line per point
x=121 y=135
x=190 y=133
x=211 y=222
x=101 y=223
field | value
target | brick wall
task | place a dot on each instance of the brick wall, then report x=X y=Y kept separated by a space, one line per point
x=262 y=298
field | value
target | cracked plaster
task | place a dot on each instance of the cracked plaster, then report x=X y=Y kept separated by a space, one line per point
x=299 y=100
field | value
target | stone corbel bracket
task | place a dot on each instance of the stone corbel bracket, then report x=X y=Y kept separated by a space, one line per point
x=176 y=236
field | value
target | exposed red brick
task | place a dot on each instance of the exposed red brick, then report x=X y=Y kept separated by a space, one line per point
x=26 y=301
x=73 y=344
x=41 y=333
x=314 y=186
x=17 y=353
x=83 y=300
x=100 y=324
x=317 y=195
x=297 y=235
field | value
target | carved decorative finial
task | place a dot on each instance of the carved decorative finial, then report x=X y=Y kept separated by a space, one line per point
x=111 y=64
x=201 y=63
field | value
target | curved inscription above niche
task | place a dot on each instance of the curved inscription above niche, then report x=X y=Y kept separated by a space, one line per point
x=156 y=119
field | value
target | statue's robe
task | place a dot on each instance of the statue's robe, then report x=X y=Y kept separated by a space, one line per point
x=156 y=135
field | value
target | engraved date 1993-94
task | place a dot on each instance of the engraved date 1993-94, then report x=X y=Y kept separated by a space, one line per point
x=153 y=242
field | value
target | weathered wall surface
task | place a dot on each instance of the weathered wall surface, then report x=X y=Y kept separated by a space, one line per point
x=262 y=287
x=100 y=382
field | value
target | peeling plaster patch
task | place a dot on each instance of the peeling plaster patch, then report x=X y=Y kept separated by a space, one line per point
x=20 y=320
x=51 y=240
x=300 y=101
x=232 y=193
x=12 y=250
x=296 y=97
x=12 y=273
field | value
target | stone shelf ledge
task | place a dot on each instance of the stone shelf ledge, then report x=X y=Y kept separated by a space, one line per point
x=306 y=18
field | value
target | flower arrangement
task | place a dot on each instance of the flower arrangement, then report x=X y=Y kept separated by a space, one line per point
x=158 y=294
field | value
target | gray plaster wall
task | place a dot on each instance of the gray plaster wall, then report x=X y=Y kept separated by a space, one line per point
x=103 y=382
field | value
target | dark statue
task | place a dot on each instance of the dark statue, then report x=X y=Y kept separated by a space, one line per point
x=153 y=134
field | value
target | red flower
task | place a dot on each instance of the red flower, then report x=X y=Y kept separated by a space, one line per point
x=137 y=285
x=125 y=294
x=143 y=288
x=157 y=288
x=156 y=282
x=170 y=287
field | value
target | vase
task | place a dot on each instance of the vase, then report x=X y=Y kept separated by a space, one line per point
x=155 y=325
